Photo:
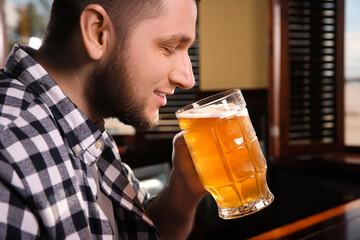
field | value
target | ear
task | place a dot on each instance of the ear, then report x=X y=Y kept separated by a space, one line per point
x=96 y=29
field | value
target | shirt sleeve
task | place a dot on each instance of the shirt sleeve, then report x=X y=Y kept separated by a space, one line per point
x=17 y=221
x=143 y=195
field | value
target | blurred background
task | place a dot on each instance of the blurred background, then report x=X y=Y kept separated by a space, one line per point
x=298 y=66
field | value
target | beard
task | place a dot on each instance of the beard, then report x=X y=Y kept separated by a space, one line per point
x=114 y=94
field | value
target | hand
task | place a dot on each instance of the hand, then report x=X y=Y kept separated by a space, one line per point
x=173 y=210
x=184 y=167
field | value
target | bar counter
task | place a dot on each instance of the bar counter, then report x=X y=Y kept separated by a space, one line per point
x=341 y=222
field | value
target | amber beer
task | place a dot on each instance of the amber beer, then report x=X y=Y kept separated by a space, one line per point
x=226 y=153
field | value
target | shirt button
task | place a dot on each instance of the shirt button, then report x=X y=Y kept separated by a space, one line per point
x=77 y=148
x=98 y=144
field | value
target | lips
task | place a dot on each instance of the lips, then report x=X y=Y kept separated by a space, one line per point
x=161 y=97
x=161 y=94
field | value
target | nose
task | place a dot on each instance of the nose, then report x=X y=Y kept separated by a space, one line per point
x=182 y=75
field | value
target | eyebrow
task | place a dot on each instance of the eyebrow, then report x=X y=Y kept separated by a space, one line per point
x=177 y=38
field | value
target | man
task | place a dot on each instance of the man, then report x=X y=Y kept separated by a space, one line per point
x=60 y=172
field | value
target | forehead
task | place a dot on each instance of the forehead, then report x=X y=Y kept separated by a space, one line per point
x=177 y=21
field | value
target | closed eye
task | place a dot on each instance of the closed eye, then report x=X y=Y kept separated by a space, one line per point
x=169 y=50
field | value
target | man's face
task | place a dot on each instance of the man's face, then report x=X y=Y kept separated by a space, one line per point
x=158 y=59
x=137 y=79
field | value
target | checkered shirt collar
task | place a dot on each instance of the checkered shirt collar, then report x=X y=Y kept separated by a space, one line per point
x=80 y=132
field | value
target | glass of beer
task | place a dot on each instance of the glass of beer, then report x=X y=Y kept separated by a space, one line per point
x=226 y=153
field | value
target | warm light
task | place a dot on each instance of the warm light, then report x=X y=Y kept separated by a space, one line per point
x=35 y=42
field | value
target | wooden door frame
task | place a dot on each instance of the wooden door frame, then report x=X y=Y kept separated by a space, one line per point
x=279 y=75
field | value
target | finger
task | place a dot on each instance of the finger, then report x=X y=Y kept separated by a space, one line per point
x=179 y=139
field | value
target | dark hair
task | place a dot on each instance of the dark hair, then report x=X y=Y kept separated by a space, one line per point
x=125 y=14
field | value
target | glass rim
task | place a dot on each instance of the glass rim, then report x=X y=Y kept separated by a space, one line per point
x=209 y=100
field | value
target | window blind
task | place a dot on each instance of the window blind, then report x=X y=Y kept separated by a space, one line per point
x=312 y=53
x=306 y=77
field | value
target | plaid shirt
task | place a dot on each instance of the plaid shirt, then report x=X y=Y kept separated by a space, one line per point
x=47 y=149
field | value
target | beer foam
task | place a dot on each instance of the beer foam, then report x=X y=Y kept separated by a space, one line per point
x=214 y=111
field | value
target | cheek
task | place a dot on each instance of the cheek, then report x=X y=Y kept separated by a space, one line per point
x=149 y=68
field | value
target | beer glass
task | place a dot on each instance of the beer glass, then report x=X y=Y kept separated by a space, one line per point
x=226 y=153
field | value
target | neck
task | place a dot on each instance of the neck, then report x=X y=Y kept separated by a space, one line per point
x=70 y=72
